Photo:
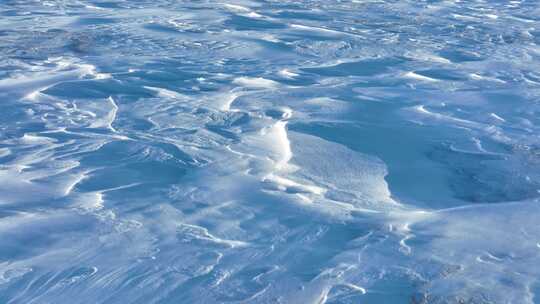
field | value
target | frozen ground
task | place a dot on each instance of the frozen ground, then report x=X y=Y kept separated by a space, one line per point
x=379 y=152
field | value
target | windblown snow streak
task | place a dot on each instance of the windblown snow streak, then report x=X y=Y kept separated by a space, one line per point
x=269 y=151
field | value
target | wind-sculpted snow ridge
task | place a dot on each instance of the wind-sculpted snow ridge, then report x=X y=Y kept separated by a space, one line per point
x=269 y=152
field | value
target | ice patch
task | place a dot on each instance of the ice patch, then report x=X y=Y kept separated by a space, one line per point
x=238 y=8
x=288 y=74
x=415 y=76
x=258 y=82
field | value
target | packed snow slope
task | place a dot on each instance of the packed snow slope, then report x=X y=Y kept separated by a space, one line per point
x=264 y=151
